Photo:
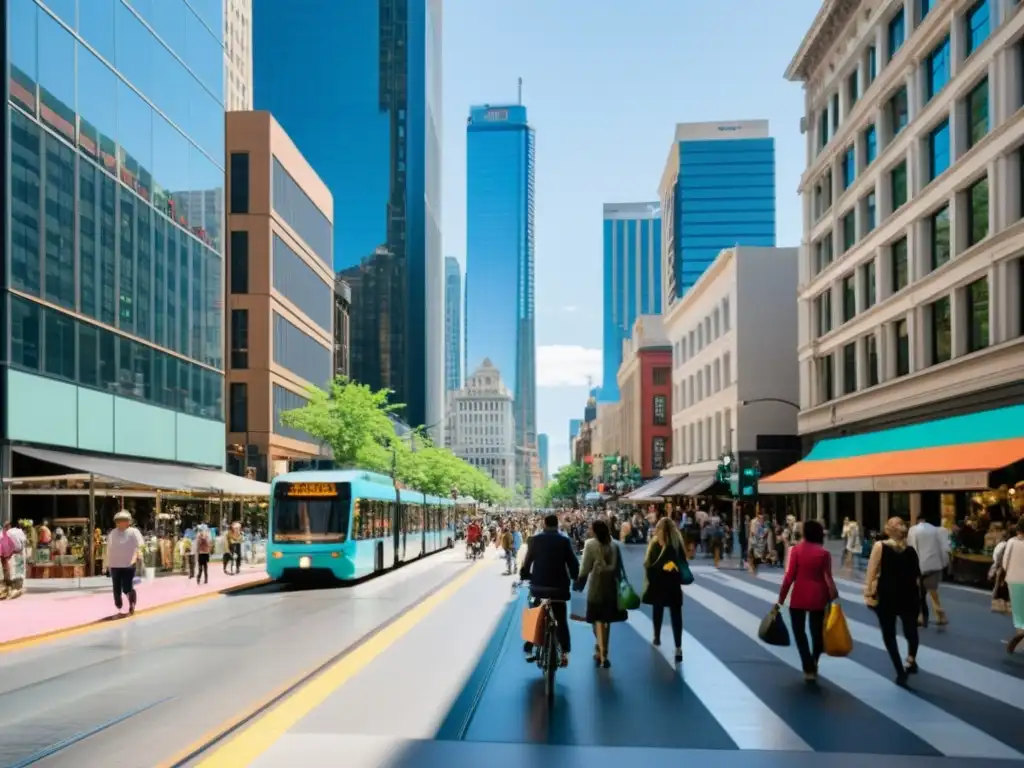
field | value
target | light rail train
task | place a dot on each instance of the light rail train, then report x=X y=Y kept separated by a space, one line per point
x=345 y=525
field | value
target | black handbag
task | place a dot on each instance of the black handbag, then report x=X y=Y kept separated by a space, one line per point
x=773 y=630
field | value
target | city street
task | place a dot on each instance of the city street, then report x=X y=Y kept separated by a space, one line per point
x=424 y=667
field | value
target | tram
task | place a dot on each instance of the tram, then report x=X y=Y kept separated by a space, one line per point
x=344 y=525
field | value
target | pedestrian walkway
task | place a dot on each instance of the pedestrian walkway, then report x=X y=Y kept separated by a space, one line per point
x=39 y=614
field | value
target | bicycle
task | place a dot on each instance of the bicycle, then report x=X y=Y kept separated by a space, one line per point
x=549 y=656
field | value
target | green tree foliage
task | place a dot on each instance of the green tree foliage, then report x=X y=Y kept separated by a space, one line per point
x=565 y=486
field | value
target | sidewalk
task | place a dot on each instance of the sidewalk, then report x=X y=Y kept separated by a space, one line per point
x=35 y=615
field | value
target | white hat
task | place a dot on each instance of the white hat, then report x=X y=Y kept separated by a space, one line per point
x=124 y=514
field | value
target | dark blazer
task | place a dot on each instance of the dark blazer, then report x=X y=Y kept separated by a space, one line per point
x=550 y=565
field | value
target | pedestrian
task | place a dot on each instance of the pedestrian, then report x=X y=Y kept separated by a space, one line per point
x=13 y=543
x=204 y=546
x=1013 y=574
x=601 y=565
x=123 y=546
x=234 y=540
x=663 y=587
x=933 y=557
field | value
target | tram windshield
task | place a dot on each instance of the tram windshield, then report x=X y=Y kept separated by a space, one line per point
x=311 y=512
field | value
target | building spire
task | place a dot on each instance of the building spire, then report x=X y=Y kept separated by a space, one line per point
x=520 y=91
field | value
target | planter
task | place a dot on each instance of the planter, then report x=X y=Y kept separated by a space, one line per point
x=150 y=574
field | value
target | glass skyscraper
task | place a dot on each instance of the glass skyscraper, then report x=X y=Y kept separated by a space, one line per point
x=500 y=257
x=114 y=161
x=357 y=86
x=632 y=280
x=452 y=324
x=717 y=191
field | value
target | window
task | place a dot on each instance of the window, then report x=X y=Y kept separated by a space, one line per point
x=940 y=318
x=850 y=368
x=835 y=113
x=303 y=287
x=302 y=214
x=870 y=289
x=870 y=213
x=301 y=353
x=977 y=315
x=285 y=400
x=658 y=453
x=938 y=233
x=849 y=230
x=239 y=182
x=902 y=348
x=977 y=199
x=977 y=113
x=853 y=88
x=238 y=413
x=239 y=261
x=897 y=33
x=870 y=145
x=239 y=338
x=925 y=7
x=936 y=70
x=660 y=410
x=938 y=150
x=26 y=215
x=871 y=345
x=899 y=111
x=823 y=310
x=727 y=362
x=660 y=376
x=826 y=379
x=900 y=274
x=849 y=298
x=823 y=252
x=872 y=71
x=898 y=185
x=849 y=167
x=59 y=207
x=978 y=23
x=823 y=129
x=726 y=319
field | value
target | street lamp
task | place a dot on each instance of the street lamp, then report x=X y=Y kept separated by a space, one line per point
x=770 y=400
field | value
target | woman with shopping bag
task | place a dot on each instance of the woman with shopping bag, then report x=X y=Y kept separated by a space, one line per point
x=665 y=573
x=809 y=576
x=602 y=566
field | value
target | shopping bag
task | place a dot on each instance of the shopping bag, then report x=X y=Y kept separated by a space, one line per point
x=773 y=629
x=578 y=607
x=685 y=574
x=629 y=600
x=838 y=641
x=533 y=625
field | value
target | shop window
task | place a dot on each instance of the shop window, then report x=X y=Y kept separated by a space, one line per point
x=899 y=505
x=902 y=348
x=938 y=233
x=940 y=317
x=850 y=368
x=977 y=315
x=900 y=271
x=977 y=198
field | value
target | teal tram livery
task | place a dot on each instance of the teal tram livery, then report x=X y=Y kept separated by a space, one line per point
x=343 y=525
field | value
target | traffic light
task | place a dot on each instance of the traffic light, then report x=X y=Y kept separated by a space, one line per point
x=726 y=464
x=750 y=472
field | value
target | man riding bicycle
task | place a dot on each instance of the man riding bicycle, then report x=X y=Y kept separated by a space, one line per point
x=474 y=534
x=551 y=567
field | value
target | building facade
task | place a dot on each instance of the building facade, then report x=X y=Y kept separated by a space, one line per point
x=482 y=425
x=542 y=457
x=911 y=281
x=382 y=157
x=452 y=324
x=717 y=191
x=342 y=322
x=632 y=279
x=644 y=433
x=574 y=431
x=500 y=257
x=734 y=374
x=238 y=55
x=113 y=297
x=280 y=295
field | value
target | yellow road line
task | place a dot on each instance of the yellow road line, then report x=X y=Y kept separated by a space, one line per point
x=25 y=643
x=260 y=735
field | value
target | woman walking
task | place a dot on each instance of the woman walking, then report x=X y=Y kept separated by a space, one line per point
x=809 y=574
x=663 y=566
x=1013 y=574
x=601 y=565
x=892 y=587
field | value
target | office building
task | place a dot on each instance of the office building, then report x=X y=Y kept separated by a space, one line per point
x=381 y=159
x=911 y=282
x=644 y=432
x=500 y=256
x=632 y=279
x=482 y=425
x=717 y=191
x=237 y=55
x=114 y=299
x=574 y=432
x=542 y=457
x=452 y=324
x=281 y=291
x=342 y=322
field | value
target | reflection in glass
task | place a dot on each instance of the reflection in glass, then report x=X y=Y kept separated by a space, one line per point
x=167 y=18
x=65 y=9
x=199 y=205
x=170 y=92
x=59 y=330
x=126 y=296
x=26 y=164
x=23 y=15
x=214 y=306
x=204 y=55
x=172 y=287
x=96 y=26
x=87 y=238
x=97 y=106
x=60 y=223
x=170 y=166
x=88 y=355
x=159 y=263
x=198 y=316
x=206 y=120
x=57 y=77
x=108 y=239
x=143 y=310
x=135 y=134
x=211 y=12
x=184 y=331
x=135 y=45
x=25 y=340
x=108 y=361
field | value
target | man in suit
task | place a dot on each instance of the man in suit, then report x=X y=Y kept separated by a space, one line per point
x=551 y=568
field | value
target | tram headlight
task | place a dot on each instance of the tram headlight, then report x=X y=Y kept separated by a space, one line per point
x=305 y=562
x=335 y=554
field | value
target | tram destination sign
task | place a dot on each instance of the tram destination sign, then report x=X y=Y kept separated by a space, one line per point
x=313 y=490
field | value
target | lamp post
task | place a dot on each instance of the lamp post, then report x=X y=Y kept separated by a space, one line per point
x=744 y=403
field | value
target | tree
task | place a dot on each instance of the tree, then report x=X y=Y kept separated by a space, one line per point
x=566 y=485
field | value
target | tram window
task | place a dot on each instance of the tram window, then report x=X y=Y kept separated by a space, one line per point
x=378 y=522
x=357 y=519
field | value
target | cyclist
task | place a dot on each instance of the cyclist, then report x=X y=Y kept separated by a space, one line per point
x=551 y=567
x=473 y=535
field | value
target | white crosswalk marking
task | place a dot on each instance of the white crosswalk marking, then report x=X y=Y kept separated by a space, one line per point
x=968 y=674
x=742 y=715
x=945 y=733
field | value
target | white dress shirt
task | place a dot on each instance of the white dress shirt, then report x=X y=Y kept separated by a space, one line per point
x=930 y=544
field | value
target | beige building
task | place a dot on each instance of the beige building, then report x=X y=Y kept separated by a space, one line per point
x=280 y=290
x=480 y=428
x=237 y=55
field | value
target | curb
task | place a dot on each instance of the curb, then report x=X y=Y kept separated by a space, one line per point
x=28 y=641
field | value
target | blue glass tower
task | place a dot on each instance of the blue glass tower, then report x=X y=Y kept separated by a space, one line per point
x=632 y=280
x=357 y=86
x=717 y=191
x=452 y=324
x=542 y=455
x=499 y=255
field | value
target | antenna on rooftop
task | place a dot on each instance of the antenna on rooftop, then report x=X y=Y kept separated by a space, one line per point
x=520 y=91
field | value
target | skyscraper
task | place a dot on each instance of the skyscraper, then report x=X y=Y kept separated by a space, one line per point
x=452 y=324
x=542 y=455
x=237 y=55
x=499 y=257
x=374 y=137
x=717 y=191
x=574 y=431
x=632 y=279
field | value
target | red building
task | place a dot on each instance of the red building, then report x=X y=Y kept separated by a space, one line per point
x=645 y=406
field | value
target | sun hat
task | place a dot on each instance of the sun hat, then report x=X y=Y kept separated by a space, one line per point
x=124 y=514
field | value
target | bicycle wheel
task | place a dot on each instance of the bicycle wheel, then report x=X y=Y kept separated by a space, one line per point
x=551 y=660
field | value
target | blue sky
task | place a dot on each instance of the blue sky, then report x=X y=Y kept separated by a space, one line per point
x=605 y=82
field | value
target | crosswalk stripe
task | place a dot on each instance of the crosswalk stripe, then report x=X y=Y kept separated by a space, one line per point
x=945 y=733
x=743 y=716
x=967 y=674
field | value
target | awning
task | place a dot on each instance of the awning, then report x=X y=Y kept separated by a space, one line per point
x=651 y=491
x=693 y=485
x=954 y=454
x=166 y=477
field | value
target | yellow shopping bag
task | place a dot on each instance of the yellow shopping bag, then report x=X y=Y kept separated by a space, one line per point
x=838 y=641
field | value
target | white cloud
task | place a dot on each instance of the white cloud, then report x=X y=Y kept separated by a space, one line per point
x=567 y=365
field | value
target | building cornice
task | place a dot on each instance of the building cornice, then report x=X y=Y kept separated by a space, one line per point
x=826 y=27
